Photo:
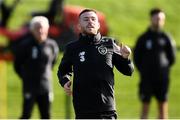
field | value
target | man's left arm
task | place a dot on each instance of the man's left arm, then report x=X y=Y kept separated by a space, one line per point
x=171 y=50
x=121 y=59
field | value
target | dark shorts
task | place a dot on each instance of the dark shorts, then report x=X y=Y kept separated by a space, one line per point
x=155 y=87
x=103 y=115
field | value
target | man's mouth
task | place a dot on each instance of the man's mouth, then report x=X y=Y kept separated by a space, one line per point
x=89 y=26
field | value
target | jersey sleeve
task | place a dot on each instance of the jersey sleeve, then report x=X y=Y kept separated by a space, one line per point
x=125 y=66
x=65 y=67
x=20 y=56
x=171 y=50
x=138 y=53
x=55 y=53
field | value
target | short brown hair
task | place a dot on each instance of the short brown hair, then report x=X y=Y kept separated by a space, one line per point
x=155 y=11
x=86 y=10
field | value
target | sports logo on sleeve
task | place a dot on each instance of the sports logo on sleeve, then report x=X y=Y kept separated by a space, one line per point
x=102 y=50
x=82 y=56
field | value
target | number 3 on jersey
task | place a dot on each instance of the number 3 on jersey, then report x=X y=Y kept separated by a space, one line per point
x=82 y=56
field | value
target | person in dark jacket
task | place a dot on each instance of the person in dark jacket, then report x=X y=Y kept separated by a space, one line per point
x=34 y=59
x=91 y=59
x=154 y=54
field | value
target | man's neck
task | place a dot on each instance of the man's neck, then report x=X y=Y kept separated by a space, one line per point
x=155 y=29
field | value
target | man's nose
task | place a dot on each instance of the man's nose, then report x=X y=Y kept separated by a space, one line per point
x=90 y=20
x=40 y=30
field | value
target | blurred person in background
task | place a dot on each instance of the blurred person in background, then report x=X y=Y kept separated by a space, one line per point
x=54 y=12
x=154 y=54
x=91 y=59
x=35 y=57
x=6 y=12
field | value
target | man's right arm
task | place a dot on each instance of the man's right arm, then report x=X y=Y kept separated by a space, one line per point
x=138 y=53
x=65 y=68
x=19 y=57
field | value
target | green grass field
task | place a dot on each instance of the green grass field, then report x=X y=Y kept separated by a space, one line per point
x=126 y=19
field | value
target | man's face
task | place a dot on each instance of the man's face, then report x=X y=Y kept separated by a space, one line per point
x=88 y=23
x=40 y=32
x=158 y=21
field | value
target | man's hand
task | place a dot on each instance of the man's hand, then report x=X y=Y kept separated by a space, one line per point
x=125 y=51
x=67 y=88
x=122 y=50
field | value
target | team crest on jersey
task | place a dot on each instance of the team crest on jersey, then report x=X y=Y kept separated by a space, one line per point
x=48 y=51
x=162 y=42
x=102 y=50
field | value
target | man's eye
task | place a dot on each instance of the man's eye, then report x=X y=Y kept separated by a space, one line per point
x=85 y=19
x=94 y=19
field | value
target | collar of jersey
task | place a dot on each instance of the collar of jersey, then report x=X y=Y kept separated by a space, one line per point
x=154 y=32
x=90 y=39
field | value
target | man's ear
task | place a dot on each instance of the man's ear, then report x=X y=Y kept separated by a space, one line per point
x=99 y=25
x=78 y=27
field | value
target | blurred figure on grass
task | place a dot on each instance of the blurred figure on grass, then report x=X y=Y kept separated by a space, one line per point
x=35 y=57
x=154 y=54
